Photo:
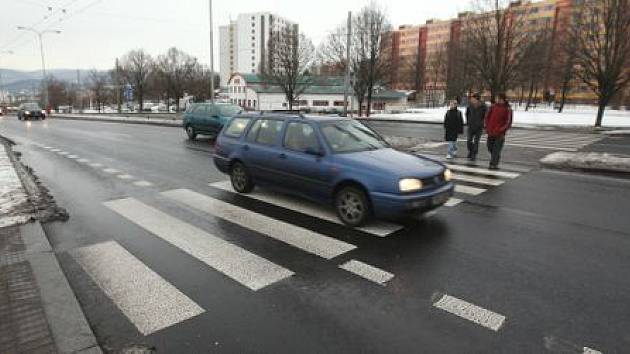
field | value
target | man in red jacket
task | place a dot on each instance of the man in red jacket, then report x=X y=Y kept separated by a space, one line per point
x=498 y=120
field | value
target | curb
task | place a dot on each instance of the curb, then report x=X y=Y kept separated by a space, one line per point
x=589 y=162
x=69 y=327
x=123 y=121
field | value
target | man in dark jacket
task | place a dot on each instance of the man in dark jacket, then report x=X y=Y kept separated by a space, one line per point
x=453 y=126
x=475 y=115
x=498 y=121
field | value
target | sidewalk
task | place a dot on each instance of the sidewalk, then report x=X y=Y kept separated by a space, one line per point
x=38 y=310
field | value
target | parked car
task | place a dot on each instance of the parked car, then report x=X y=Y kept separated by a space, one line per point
x=207 y=118
x=28 y=111
x=330 y=160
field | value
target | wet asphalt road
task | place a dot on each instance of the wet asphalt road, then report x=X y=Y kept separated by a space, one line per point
x=548 y=251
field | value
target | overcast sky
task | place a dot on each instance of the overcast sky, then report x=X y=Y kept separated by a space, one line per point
x=95 y=32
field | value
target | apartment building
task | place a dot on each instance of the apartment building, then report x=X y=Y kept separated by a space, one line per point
x=428 y=46
x=244 y=43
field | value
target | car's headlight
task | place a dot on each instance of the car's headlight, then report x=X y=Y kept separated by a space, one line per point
x=27 y=112
x=409 y=184
x=448 y=175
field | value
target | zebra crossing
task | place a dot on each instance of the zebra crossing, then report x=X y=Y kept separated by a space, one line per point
x=548 y=140
x=129 y=283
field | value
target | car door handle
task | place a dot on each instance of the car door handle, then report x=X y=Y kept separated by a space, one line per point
x=282 y=156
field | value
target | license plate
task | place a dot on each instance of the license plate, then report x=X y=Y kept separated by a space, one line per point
x=440 y=199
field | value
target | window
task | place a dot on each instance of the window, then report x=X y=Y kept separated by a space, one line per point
x=265 y=131
x=339 y=104
x=319 y=103
x=351 y=136
x=301 y=137
x=236 y=127
x=249 y=103
x=199 y=109
x=254 y=101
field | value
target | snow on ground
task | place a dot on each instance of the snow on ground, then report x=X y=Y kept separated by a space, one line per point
x=587 y=161
x=578 y=116
x=12 y=194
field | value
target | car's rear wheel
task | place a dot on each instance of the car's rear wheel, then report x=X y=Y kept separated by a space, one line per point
x=353 y=207
x=190 y=131
x=241 y=179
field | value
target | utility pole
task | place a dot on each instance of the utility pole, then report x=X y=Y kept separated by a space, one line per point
x=346 y=87
x=40 y=34
x=119 y=88
x=2 y=92
x=211 y=52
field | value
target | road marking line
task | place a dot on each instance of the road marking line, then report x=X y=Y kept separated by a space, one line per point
x=74 y=157
x=83 y=160
x=306 y=240
x=468 y=190
x=111 y=170
x=453 y=202
x=470 y=312
x=149 y=301
x=96 y=165
x=143 y=183
x=367 y=271
x=235 y=262
x=64 y=153
x=47 y=147
x=377 y=228
x=479 y=180
x=483 y=171
x=588 y=350
x=125 y=176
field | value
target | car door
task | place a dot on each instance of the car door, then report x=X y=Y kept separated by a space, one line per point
x=196 y=117
x=261 y=149
x=301 y=162
x=211 y=120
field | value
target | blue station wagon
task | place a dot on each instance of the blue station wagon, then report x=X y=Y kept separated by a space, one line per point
x=330 y=160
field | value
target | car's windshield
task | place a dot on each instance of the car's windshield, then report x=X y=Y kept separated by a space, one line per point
x=228 y=110
x=31 y=106
x=351 y=136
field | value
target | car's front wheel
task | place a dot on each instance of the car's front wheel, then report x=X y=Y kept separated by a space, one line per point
x=190 y=131
x=241 y=179
x=353 y=207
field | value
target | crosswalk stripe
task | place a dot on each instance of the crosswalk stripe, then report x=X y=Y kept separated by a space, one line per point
x=237 y=263
x=482 y=171
x=55 y=150
x=535 y=146
x=453 y=202
x=367 y=271
x=566 y=143
x=478 y=180
x=143 y=184
x=111 y=170
x=468 y=190
x=125 y=177
x=96 y=164
x=470 y=312
x=377 y=228
x=83 y=160
x=149 y=301
x=74 y=157
x=306 y=240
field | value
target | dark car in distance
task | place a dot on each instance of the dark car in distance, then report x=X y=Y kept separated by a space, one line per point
x=28 y=111
x=207 y=118
x=330 y=160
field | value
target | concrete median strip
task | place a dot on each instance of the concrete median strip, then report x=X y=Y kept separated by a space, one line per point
x=588 y=161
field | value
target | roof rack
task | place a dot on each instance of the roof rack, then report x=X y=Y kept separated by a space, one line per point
x=284 y=111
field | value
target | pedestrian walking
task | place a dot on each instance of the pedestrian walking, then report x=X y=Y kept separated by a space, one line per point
x=453 y=126
x=498 y=121
x=475 y=115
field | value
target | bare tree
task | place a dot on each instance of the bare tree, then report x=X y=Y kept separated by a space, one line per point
x=436 y=65
x=56 y=92
x=177 y=70
x=498 y=36
x=291 y=56
x=136 y=67
x=534 y=60
x=98 y=85
x=374 y=58
x=600 y=31
x=199 y=87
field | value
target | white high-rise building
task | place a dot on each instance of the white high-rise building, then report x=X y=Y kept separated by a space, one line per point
x=244 y=43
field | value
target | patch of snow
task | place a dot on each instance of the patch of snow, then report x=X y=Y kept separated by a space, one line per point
x=580 y=116
x=617 y=132
x=588 y=161
x=12 y=194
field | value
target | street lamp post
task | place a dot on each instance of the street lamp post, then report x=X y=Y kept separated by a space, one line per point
x=40 y=34
x=5 y=52
x=211 y=52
